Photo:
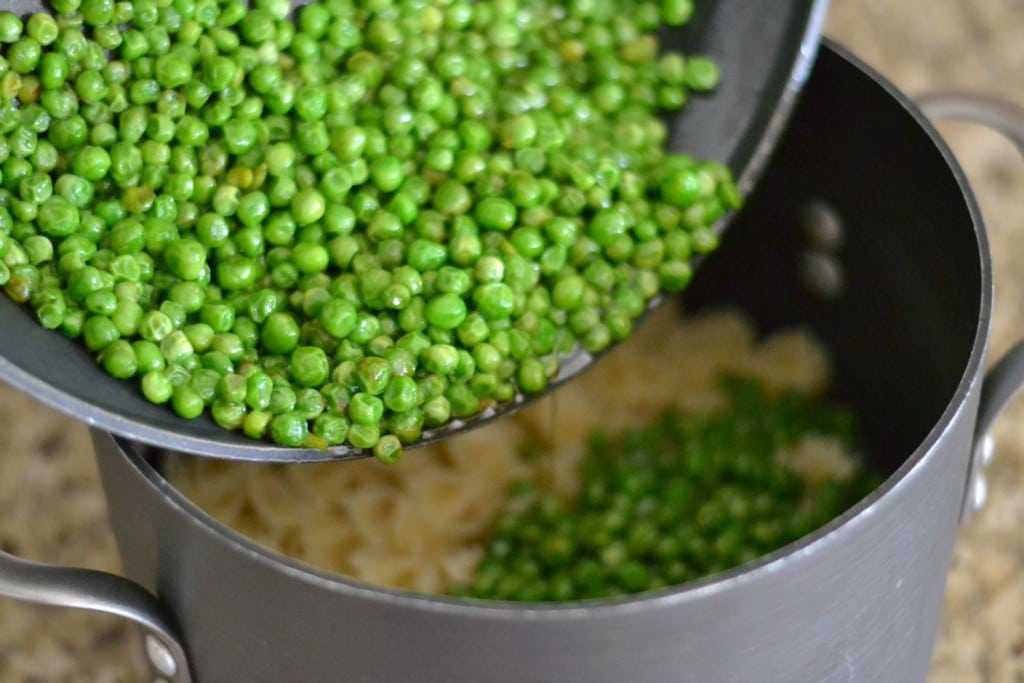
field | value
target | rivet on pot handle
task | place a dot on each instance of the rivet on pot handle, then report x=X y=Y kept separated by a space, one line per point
x=101 y=592
x=1006 y=378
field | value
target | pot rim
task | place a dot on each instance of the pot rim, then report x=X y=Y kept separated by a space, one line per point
x=701 y=588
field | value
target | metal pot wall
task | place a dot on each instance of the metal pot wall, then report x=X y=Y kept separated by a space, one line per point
x=864 y=230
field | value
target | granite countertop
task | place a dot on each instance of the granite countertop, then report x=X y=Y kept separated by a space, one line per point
x=51 y=508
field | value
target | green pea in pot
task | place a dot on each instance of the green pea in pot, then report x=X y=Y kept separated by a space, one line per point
x=864 y=230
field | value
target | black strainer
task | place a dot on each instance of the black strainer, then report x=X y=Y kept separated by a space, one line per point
x=765 y=51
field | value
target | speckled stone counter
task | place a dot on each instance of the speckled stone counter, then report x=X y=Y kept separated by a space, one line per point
x=51 y=508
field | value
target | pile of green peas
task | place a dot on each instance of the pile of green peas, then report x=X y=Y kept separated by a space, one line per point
x=351 y=225
x=688 y=496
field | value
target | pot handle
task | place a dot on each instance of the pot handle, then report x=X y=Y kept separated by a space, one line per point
x=101 y=592
x=1006 y=378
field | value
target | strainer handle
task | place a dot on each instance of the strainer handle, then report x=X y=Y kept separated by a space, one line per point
x=100 y=592
x=1006 y=378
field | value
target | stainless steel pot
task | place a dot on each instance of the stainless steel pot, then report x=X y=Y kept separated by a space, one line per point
x=864 y=230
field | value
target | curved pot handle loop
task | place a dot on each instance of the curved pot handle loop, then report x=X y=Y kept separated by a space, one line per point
x=987 y=110
x=101 y=592
x=1006 y=378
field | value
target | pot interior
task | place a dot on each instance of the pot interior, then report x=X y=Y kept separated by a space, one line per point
x=865 y=231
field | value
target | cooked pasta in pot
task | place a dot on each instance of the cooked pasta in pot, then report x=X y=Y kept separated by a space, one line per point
x=422 y=524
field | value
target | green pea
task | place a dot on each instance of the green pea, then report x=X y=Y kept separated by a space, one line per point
x=148 y=356
x=310 y=258
x=23 y=55
x=388 y=449
x=701 y=74
x=445 y=311
x=53 y=70
x=518 y=132
x=126 y=316
x=279 y=333
x=568 y=293
x=199 y=336
x=236 y=273
x=308 y=206
x=494 y=300
x=185 y=259
x=464 y=402
x=156 y=387
x=338 y=317
x=99 y=332
x=365 y=410
x=38 y=249
x=452 y=197
x=176 y=347
x=332 y=428
x=309 y=366
x=674 y=275
x=495 y=213
x=401 y=395
x=259 y=389
x=440 y=359
x=11 y=27
x=172 y=70
x=424 y=255
x=606 y=226
x=363 y=436
x=289 y=429
x=453 y=280
x=256 y=424
x=186 y=402
x=119 y=360
x=386 y=173
x=102 y=302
